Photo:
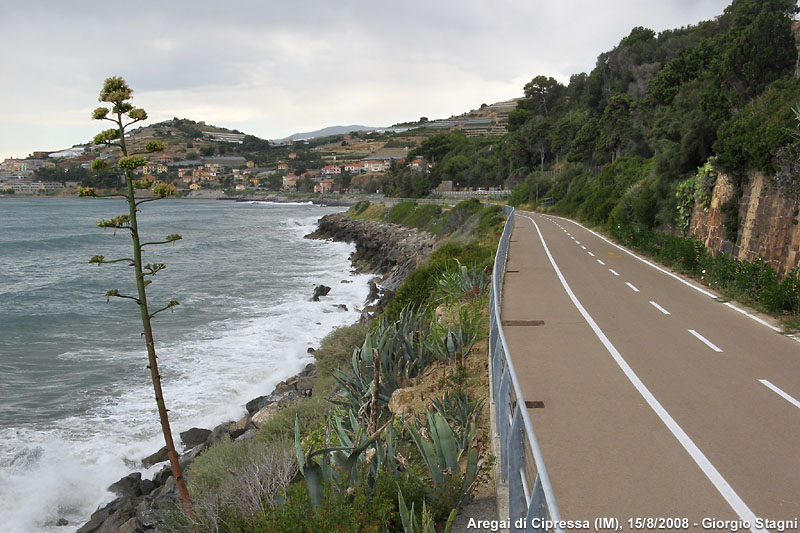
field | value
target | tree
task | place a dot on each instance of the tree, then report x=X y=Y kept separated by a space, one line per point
x=544 y=93
x=616 y=123
x=117 y=93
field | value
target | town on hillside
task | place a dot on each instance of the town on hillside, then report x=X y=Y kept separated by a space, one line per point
x=201 y=157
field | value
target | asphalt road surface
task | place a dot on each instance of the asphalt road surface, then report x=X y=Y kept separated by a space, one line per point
x=660 y=401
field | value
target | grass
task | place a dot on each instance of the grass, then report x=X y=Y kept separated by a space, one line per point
x=230 y=497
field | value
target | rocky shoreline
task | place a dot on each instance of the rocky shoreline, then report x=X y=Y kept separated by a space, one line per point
x=390 y=250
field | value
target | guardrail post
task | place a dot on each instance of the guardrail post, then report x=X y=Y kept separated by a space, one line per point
x=537 y=507
x=515 y=460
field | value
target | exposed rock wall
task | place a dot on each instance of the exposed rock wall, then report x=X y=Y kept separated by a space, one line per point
x=768 y=224
x=388 y=249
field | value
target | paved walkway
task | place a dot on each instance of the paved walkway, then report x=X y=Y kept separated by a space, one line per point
x=659 y=401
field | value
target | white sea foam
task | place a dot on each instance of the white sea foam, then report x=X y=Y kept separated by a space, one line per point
x=61 y=469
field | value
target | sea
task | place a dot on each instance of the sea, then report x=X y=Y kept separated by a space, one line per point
x=76 y=401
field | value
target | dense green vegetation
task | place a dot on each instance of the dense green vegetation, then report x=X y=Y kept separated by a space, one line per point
x=612 y=145
x=752 y=282
x=341 y=460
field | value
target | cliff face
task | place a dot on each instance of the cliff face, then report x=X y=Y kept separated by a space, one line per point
x=768 y=224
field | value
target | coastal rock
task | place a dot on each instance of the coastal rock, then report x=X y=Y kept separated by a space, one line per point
x=158 y=457
x=388 y=249
x=162 y=476
x=128 y=487
x=261 y=417
x=343 y=307
x=62 y=522
x=194 y=436
x=100 y=516
x=320 y=290
x=305 y=385
x=131 y=526
x=311 y=351
x=255 y=404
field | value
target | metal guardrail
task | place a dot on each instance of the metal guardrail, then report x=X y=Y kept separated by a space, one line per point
x=521 y=459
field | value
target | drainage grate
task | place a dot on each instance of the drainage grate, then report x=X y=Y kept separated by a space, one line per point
x=534 y=405
x=523 y=322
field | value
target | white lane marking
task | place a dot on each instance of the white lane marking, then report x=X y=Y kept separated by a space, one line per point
x=590 y=253
x=659 y=307
x=692 y=285
x=571 y=237
x=582 y=246
x=705 y=341
x=631 y=286
x=599 y=261
x=577 y=242
x=697 y=455
x=754 y=317
x=613 y=272
x=780 y=393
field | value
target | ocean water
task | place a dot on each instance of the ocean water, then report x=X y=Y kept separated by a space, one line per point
x=76 y=402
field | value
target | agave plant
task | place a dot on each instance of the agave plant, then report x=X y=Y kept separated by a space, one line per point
x=442 y=452
x=454 y=343
x=402 y=354
x=412 y=525
x=470 y=281
x=463 y=412
x=359 y=458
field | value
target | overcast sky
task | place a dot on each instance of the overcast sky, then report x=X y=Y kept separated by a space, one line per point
x=275 y=68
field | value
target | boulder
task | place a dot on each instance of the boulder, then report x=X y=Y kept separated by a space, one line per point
x=162 y=476
x=247 y=435
x=131 y=526
x=320 y=290
x=305 y=385
x=146 y=487
x=400 y=400
x=62 y=522
x=158 y=457
x=195 y=436
x=311 y=351
x=282 y=387
x=100 y=516
x=128 y=486
x=343 y=307
x=255 y=404
x=261 y=417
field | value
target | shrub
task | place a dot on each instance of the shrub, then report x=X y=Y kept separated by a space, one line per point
x=400 y=212
x=234 y=479
x=337 y=347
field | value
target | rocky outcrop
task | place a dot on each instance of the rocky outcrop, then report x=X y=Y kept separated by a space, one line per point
x=141 y=502
x=391 y=250
x=768 y=224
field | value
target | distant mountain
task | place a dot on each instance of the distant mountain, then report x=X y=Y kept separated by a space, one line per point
x=330 y=130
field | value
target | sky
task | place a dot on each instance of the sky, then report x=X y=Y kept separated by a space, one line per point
x=271 y=68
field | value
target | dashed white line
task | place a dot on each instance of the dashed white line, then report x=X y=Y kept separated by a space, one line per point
x=582 y=246
x=723 y=487
x=659 y=307
x=780 y=393
x=599 y=261
x=613 y=272
x=577 y=242
x=680 y=279
x=590 y=253
x=705 y=341
x=631 y=286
